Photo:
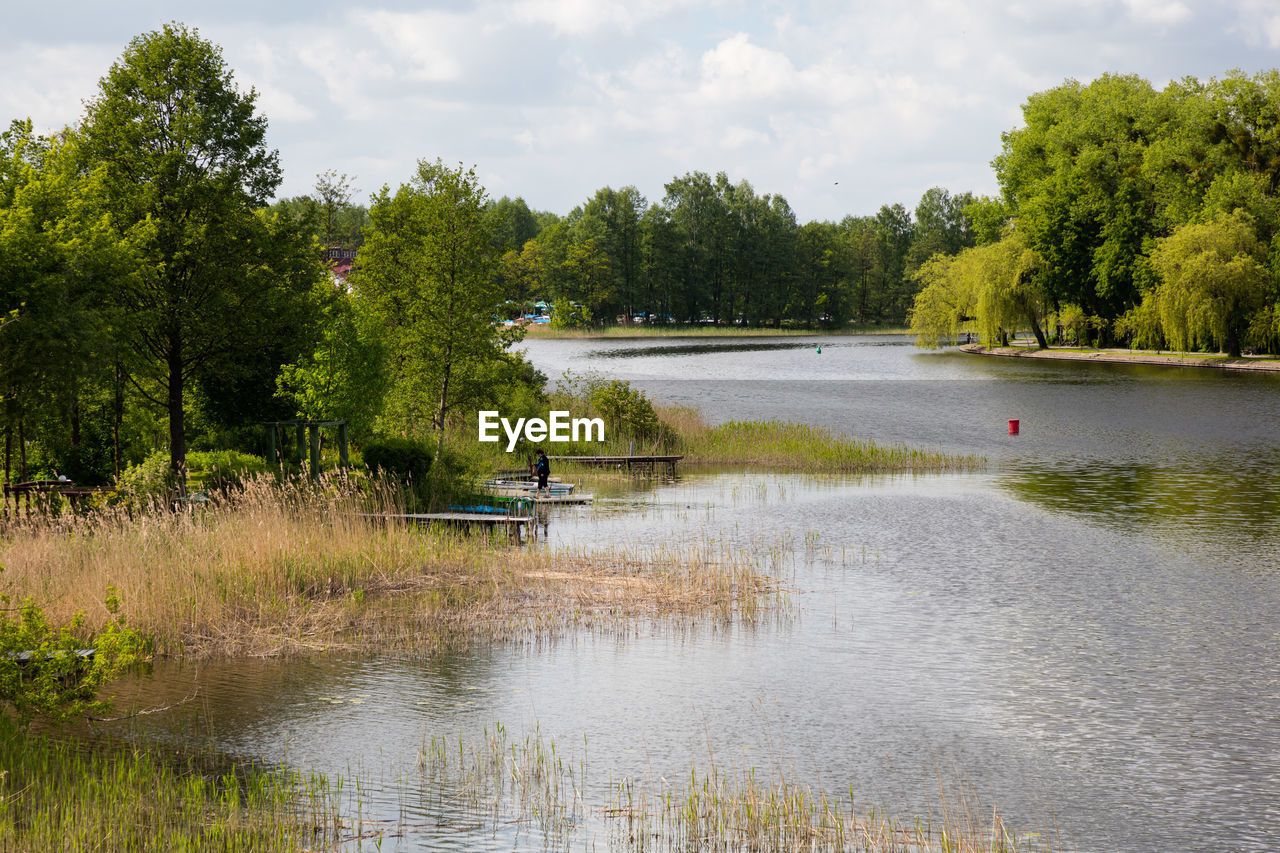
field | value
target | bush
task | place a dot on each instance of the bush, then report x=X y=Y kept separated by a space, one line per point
x=628 y=412
x=43 y=674
x=152 y=478
x=401 y=459
x=223 y=469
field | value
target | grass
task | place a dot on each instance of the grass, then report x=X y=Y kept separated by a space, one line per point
x=497 y=782
x=59 y=795
x=800 y=448
x=297 y=569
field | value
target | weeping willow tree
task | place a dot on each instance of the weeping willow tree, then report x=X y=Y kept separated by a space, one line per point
x=1212 y=282
x=998 y=285
x=946 y=300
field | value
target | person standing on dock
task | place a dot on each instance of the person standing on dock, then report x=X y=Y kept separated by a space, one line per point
x=543 y=470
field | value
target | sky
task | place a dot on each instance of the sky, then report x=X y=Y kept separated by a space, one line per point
x=839 y=107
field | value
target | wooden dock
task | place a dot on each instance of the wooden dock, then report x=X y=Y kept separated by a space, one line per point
x=40 y=492
x=637 y=464
x=513 y=523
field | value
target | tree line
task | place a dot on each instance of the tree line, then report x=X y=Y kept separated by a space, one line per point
x=1127 y=216
x=715 y=251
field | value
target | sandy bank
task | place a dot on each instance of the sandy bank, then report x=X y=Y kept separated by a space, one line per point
x=1253 y=363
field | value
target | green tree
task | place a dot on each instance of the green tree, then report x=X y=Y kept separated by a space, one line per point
x=344 y=378
x=1212 y=281
x=997 y=284
x=185 y=172
x=60 y=261
x=511 y=223
x=427 y=269
x=948 y=297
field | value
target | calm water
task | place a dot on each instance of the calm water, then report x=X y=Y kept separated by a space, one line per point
x=1086 y=631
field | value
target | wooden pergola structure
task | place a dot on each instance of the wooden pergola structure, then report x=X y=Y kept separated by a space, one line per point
x=308 y=435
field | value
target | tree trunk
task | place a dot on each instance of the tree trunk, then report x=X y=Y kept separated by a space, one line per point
x=1037 y=331
x=117 y=417
x=22 y=450
x=177 y=418
x=1233 y=342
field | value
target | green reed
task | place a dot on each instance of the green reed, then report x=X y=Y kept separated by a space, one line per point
x=67 y=796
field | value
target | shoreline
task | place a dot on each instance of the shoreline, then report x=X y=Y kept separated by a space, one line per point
x=617 y=333
x=1255 y=364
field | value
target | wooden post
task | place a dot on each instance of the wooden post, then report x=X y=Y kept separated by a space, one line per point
x=313 y=433
x=271 y=444
x=342 y=445
x=22 y=453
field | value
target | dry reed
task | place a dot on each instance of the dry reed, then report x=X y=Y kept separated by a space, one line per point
x=277 y=570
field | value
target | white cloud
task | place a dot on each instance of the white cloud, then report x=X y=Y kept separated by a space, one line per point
x=1258 y=22
x=49 y=84
x=423 y=42
x=585 y=17
x=1160 y=13
x=738 y=70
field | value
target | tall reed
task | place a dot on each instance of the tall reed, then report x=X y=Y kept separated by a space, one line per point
x=272 y=570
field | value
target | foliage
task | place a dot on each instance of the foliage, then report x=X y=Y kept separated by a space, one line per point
x=1121 y=189
x=151 y=479
x=224 y=469
x=1213 y=280
x=184 y=173
x=401 y=459
x=997 y=284
x=41 y=672
x=345 y=376
x=626 y=410
x=427 y=270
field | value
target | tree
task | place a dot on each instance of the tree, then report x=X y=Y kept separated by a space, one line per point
x=185 y=171
x=1212 y=281
x=427 y=268
x=998 y=284
x=59 y=261
x=511 y=223
x=344 y=377
x=948 y=296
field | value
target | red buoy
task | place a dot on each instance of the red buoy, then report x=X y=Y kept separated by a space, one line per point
x=1013 y=426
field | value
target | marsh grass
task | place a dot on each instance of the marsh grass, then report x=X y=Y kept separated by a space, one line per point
x=800 y=448
x=278 y=570
x=496 y=781
x=65 y=796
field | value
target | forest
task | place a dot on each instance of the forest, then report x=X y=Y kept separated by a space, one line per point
x=158 y=299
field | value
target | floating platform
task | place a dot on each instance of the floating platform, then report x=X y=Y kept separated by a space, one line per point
x=555 y=498
x=627 y=463
x=512 y=523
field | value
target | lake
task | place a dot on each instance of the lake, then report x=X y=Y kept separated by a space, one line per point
x=1084 y=633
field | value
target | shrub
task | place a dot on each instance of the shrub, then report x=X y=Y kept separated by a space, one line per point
x=223 y=469
x=628 y=411
x=400 y=459
x=152 y=478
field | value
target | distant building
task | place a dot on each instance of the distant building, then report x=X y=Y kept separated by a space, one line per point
x=340 y=262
